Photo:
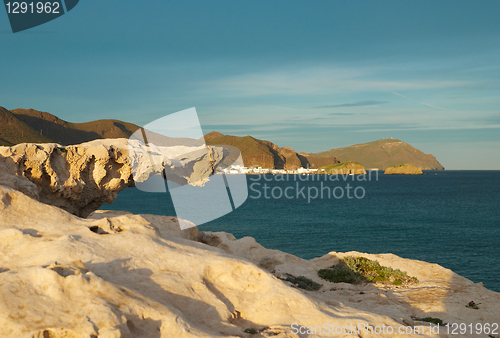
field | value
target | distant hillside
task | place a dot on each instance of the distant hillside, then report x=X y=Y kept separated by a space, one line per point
x=66 y=133
x=265 y=154
x=14 y=131
x=384 y=153
x=29 y=125
x=345 y=168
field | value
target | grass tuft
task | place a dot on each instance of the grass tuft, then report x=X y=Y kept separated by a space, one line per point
x=432 y=320
x=472 y=305
x=303 y=283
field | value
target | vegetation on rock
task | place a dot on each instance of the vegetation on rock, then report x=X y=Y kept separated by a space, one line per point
x=472 y=305
x=432 y=320
x=303 y=283
x=251 y=331
x=356 y=270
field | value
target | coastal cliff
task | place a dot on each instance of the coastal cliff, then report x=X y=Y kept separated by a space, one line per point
x=268 y=155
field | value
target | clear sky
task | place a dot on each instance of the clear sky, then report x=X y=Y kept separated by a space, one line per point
x=312 y=75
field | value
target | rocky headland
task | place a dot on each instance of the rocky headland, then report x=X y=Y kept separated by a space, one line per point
x=383 y=154
x=116 y=274
x=403 y=169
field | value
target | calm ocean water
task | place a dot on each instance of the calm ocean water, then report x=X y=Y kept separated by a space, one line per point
x=451 y=218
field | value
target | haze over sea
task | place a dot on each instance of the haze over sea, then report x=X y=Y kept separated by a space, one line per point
x=451 y=218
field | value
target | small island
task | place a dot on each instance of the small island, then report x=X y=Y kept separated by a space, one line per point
x=345 y=168
x=403 y=169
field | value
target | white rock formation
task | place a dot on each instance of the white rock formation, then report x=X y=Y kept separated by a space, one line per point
x=17 y=182
x=81 y=178
x=116 y=274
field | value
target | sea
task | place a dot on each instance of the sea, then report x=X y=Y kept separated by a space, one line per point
x=451 y=218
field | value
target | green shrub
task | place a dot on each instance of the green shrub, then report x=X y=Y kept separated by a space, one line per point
x=356 y=270
x=303 y=283
x=251 y=331
x=341 y=273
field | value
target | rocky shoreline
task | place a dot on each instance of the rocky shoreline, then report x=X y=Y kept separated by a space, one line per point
x=117 y=274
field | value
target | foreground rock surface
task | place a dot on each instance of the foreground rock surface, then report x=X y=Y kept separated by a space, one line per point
x=81 y=178
x=116 y=274
x=403 y=169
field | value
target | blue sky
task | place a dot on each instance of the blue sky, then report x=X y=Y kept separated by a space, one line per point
x=313 y=75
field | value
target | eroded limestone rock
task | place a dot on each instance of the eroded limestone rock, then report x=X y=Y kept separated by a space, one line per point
x=143 y=277
x=81 y=178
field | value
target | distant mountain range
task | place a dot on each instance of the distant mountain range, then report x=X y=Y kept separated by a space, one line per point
x=383 y=154
x=33 y=126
